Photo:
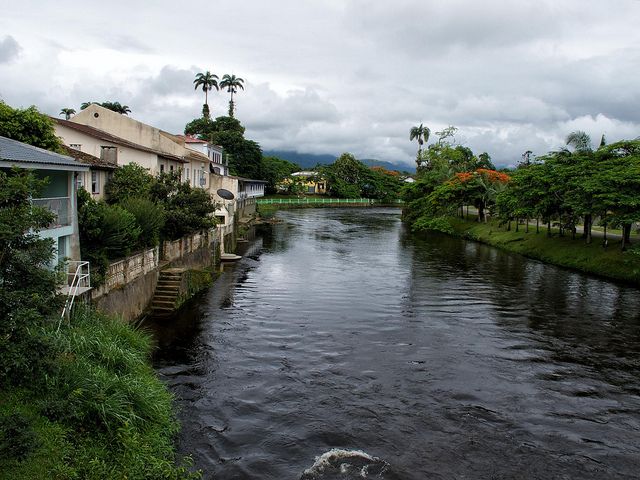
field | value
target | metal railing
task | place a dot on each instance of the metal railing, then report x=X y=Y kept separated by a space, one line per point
x=313 y=200
x=60 y=206
x=78 y=275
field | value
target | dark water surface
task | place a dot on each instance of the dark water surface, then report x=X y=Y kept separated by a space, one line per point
x=438 y=358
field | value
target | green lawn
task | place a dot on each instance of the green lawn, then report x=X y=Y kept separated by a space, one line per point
x=609 y=262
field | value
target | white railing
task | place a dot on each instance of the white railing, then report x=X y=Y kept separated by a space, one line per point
x=60 y=206
x=78 y=275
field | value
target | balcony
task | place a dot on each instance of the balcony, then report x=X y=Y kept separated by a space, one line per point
x=60 y=206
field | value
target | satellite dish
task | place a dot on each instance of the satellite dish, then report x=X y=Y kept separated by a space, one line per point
x=226 y=194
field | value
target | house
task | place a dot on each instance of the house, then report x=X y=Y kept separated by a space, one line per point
x=100 y=171
x=59 y=195
x=310 y=182
x=213 y=152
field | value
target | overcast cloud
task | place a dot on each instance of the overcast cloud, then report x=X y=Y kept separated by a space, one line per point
x=341 y=75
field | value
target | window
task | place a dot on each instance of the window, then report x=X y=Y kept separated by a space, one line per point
x=109 y=154
x=76 y=146
x=186 y=174
x=80 y=181
x=161 y=168
x=95 y=183
x=171 y=168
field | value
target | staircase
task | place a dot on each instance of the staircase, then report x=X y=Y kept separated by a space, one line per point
x=167 y=291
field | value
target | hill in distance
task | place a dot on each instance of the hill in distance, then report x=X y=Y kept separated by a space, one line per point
x=310 y=160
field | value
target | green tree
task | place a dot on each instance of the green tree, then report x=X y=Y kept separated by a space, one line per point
x=113 y=106
x=29 y=126
x=67 y=112
x=128 y=181
x=27 y=284
x=187 y=209
x=421 y=135
x=579 y=140
x=207 y=81
x=275 y=170
x=231 y=83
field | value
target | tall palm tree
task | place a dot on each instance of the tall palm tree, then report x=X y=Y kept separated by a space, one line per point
x=208 y=81
x=421 y=134
x=84 y=105
x=579 y=140
x=231 y=83
x=67 y=112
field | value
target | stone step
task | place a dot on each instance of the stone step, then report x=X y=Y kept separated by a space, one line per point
x=165 y=298
x=162 y=303
x=167 y=288
x=168 y=283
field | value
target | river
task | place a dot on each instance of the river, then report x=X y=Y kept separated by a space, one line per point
x=403 y=357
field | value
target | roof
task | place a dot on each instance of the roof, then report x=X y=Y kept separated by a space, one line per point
x=247 y=179
x=190 y=139
x=88 y=159
x=15 y=151
x=107 y=137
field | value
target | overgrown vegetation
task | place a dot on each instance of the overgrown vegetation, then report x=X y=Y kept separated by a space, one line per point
x=140 y=211
x=566 y=188
x=78 y=400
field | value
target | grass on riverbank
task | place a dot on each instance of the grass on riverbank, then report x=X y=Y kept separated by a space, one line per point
x=97 y=412
x=593 y=258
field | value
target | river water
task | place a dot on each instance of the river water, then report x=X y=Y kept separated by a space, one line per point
x=401 y=357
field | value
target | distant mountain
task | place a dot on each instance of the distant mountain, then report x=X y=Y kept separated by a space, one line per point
x=310 y=160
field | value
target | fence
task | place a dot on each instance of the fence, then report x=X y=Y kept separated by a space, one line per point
x=314 y=200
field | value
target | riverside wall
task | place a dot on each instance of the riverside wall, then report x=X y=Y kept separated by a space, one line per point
x=131 y=283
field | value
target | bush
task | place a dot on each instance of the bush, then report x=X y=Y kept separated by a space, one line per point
x=129 y=181
x=150 y=217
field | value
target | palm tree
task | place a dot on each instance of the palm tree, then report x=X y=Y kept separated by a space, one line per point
x=231 y=83
x=421 y=134
x=84 y=105
x=67 y=112
x=579 y=140
x=208 y=81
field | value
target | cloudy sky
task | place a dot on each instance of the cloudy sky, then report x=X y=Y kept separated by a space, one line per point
x=329 y=76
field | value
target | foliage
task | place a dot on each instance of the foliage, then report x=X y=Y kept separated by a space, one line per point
x=187 y=209
x=29 y=126
x=421 y=134
x=101 y=413
x=244 y=156
x=131 y=180
x=27 y=285
x=275 y=170
x=113 y=106
x=207 y=81
x=150 y=217
x=67 y=112
x=107 y=232
x=231 y=83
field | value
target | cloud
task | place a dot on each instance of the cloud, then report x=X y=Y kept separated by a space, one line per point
x=9 y=49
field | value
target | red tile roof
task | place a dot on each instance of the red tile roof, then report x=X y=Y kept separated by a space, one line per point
x=107 y=137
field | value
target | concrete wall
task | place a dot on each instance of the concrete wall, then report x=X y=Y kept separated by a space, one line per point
x=131 y=283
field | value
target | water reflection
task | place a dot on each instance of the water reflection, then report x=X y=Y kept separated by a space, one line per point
x=440 y=357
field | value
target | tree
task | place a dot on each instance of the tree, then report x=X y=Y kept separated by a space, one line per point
x=27 y=285
x=128 y=181
x=244 y=156
x=187 y=209
x=113 y=106
x=275 y=170
x=29 y=126
x=579 y=140
x=231 y=83
x=421 y=134
x=208 y=81
x=67 y=112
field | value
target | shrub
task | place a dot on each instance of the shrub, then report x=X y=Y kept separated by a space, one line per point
x=150 y=217
x=128 y=181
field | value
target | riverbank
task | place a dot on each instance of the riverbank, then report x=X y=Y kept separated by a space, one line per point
x=592 y=258
x=98 y=411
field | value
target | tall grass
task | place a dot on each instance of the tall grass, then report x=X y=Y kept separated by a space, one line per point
x=99 y=413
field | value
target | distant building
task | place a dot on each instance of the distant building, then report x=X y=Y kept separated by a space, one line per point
x=312 y=182
x=100 y=171
x=59 y=196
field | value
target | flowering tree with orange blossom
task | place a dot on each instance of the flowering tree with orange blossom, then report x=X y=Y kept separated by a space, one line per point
x=478 y=188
